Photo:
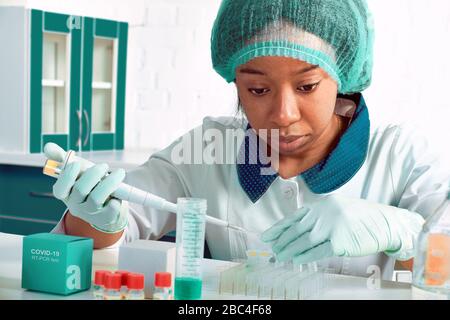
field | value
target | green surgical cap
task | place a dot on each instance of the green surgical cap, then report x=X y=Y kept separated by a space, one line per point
x=336 y=35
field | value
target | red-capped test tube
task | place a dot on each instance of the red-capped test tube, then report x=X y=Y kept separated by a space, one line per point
x=113 y=282
x=99 y=284
x=163 y=286
x=135 y=284
x=123 y=289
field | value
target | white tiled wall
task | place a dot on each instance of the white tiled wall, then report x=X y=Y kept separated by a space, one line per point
x=171 y=85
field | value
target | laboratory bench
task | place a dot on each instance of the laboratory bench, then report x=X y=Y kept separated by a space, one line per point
x=340 y=287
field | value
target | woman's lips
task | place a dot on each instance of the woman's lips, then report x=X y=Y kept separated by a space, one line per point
x=291 y=143
x=289 y=139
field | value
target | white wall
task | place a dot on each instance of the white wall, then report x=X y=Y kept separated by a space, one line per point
x=171 y=85
x=171 y=82
x=411 y=76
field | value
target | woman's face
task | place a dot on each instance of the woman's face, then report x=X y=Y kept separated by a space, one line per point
x=290 y=95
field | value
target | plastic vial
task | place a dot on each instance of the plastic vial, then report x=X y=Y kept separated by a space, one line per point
x=123 y=288
x=135 y=284
x=190 y=242
x=113 y=282
x=163 y=286
x=431 y=271
x=99 y=280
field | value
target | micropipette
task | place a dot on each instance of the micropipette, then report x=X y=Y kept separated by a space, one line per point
x=124 y=192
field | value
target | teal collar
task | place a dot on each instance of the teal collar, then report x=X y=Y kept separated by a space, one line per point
x=326 y=176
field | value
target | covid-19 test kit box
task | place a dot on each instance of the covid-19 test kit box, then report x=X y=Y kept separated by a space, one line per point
x=56 y=263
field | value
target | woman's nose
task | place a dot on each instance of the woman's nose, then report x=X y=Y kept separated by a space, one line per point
x=285 y=109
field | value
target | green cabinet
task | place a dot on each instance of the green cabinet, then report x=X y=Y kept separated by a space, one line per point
x=78 y=69
x=103 y=92
x=72 y=71
x=26 y=202
x=55 y=62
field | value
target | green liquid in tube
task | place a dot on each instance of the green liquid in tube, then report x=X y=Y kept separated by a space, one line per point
x=188 y=288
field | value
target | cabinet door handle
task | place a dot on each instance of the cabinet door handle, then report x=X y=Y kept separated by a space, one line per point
x=80 y=128
x=41 y=194
x=86 y=116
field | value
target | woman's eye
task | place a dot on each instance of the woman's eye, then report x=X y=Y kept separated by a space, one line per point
x=259 y=92
x=308 y=87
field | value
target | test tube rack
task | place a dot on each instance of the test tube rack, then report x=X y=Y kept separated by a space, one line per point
x=262 y=278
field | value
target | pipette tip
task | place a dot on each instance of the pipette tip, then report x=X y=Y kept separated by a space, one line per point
x=240 y=229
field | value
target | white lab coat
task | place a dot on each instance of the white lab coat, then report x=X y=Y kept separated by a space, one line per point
x=397 y=171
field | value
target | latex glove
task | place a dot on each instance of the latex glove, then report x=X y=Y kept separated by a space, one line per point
x=340 y=226
x=88 y=195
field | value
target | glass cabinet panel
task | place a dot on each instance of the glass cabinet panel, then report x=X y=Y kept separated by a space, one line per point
x=101 y=110
x=55 y=83
x=103 y=85
x=53 y=110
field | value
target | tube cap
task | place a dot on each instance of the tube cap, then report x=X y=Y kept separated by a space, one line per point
x=135 y=281
x=163 y=279
x=124 y=275
x=99 y=278
x=113 y=281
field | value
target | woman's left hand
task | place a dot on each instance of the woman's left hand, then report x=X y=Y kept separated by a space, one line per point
x=340 y=226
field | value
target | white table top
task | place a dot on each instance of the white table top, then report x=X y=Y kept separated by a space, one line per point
x=340 y=287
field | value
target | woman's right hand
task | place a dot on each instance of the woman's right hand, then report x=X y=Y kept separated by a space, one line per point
x=87 y=195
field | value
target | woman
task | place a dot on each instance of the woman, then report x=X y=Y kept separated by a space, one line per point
x=328 y=186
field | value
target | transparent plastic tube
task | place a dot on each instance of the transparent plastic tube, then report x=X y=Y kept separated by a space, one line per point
x=123 y=288
x=135 y=286
x=190 y=241
x=431 y=271
x=163 y=286
x=99 y=284
x=273 y=280
x=113 y=282
x=227 y=279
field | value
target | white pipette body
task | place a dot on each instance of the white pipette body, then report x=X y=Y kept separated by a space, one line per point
x=138 y=196
x=146 y=199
